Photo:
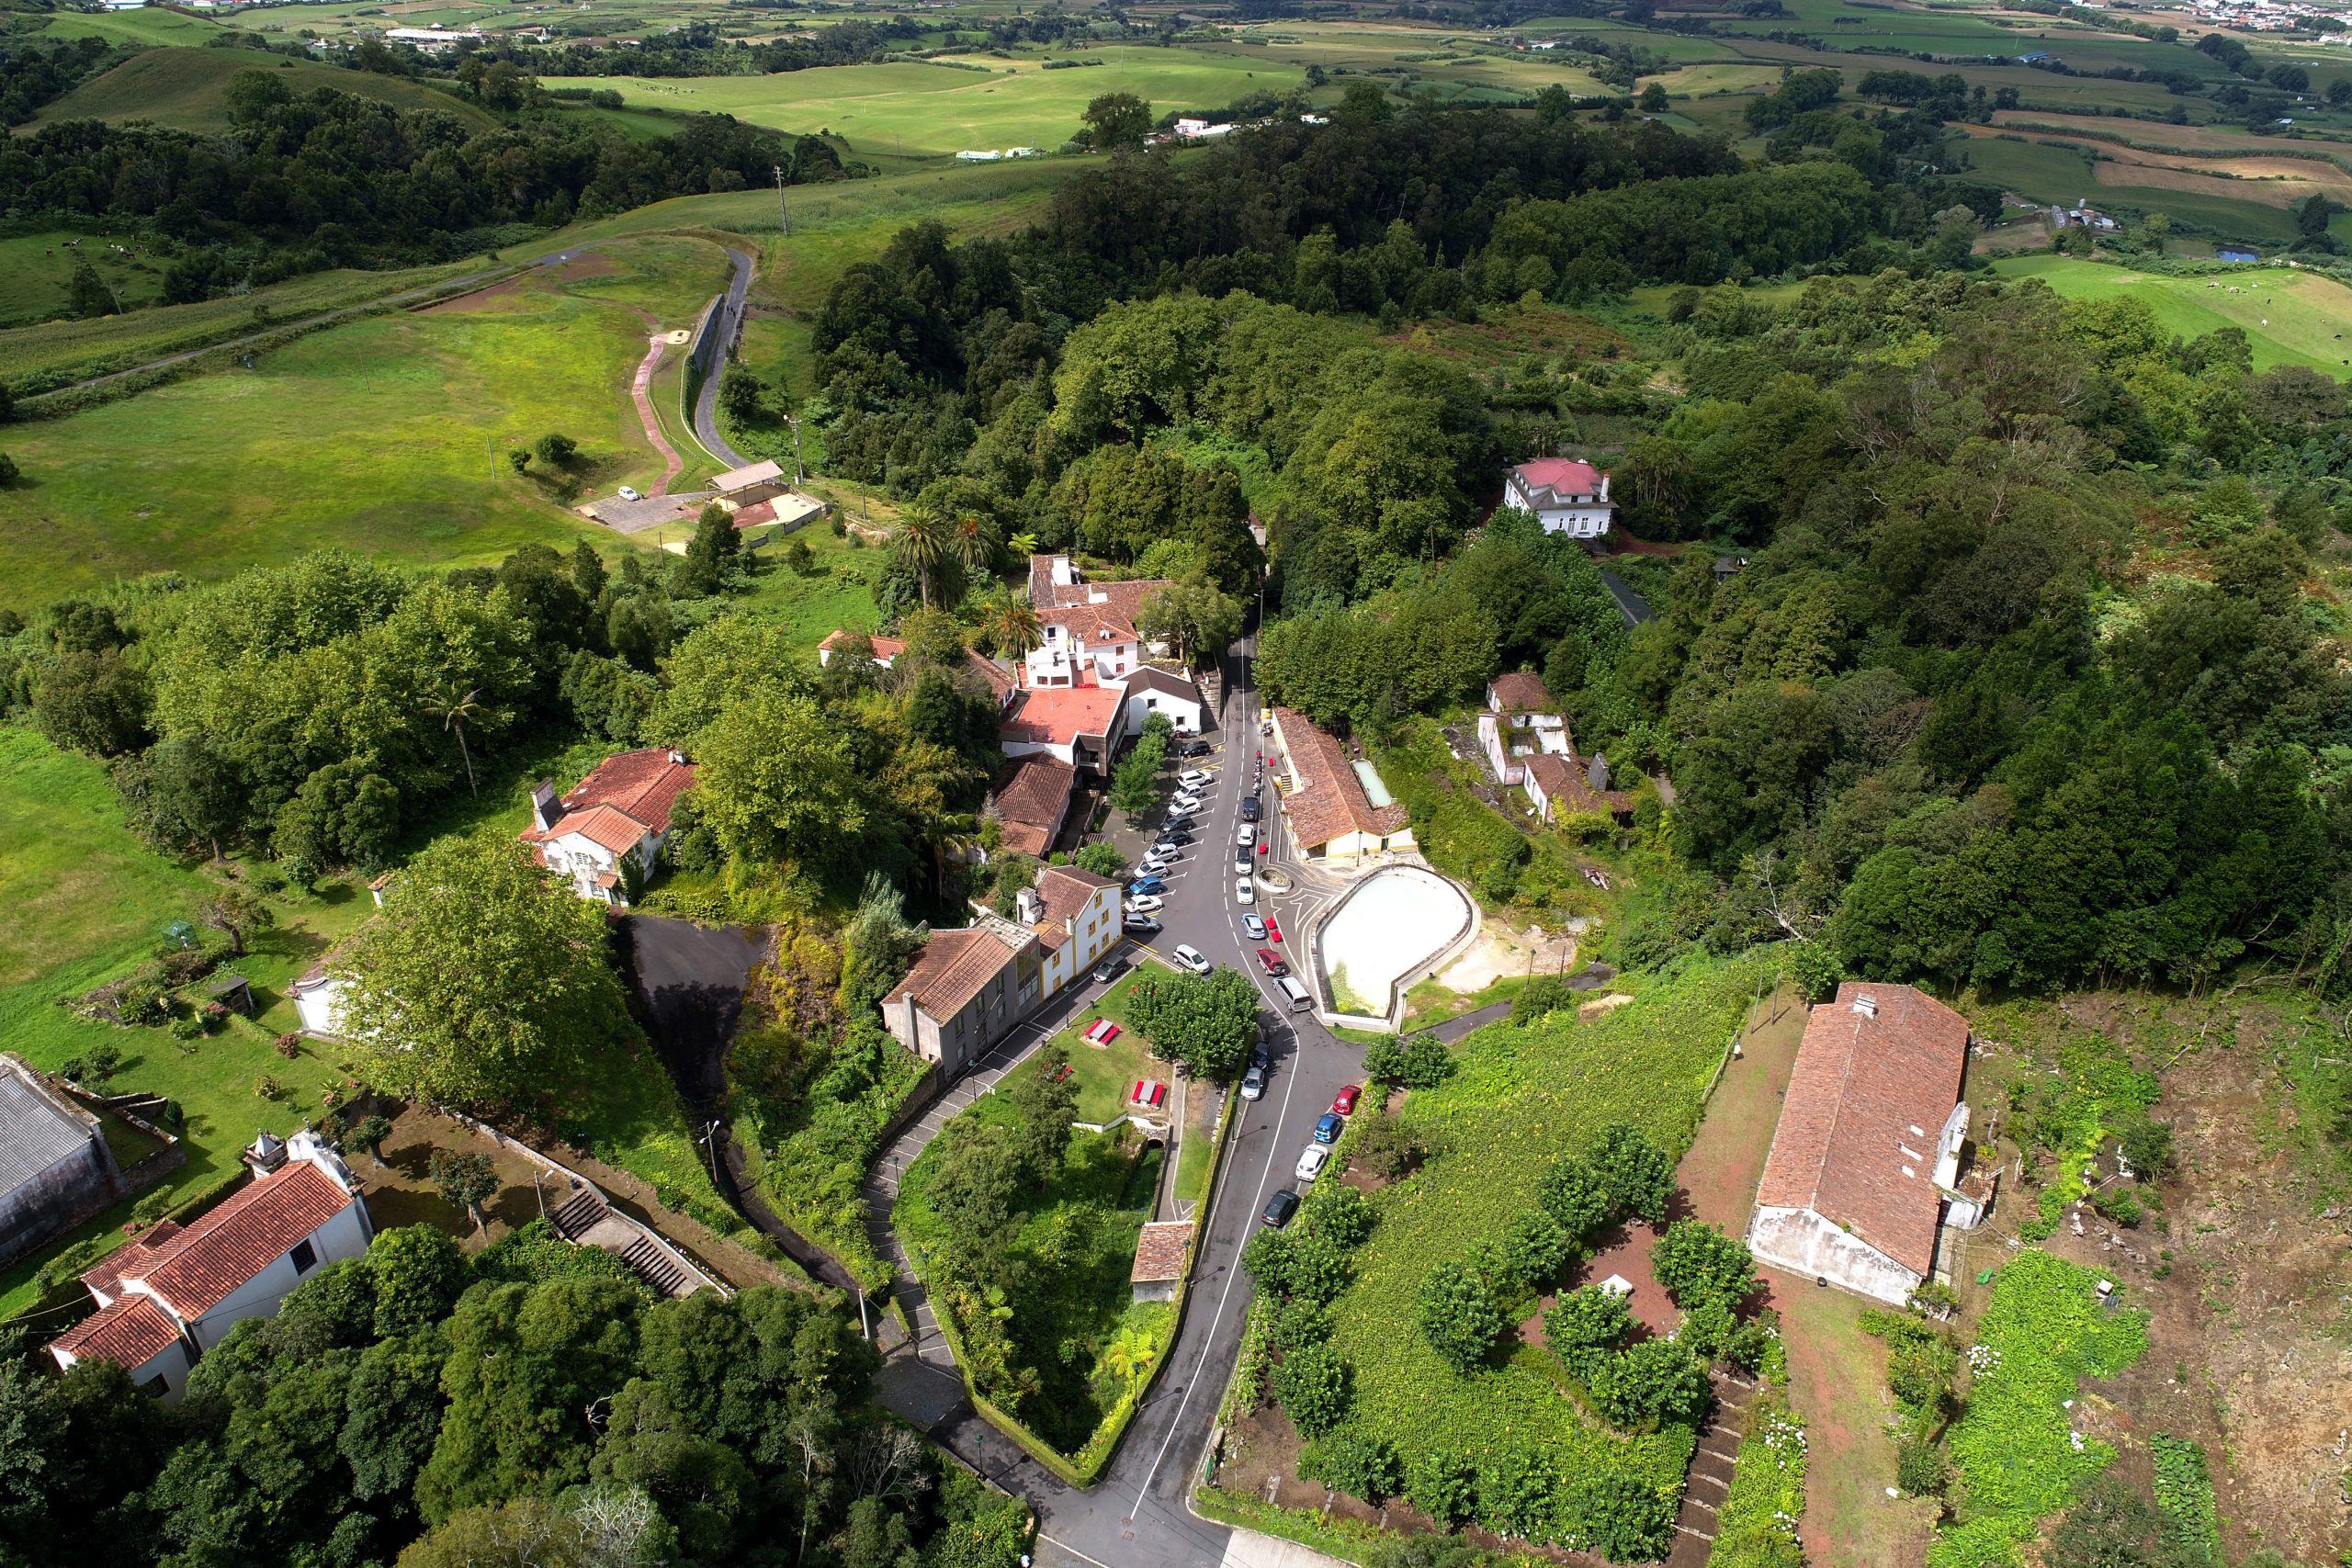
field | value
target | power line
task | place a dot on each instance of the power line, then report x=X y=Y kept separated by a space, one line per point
x=783 y=211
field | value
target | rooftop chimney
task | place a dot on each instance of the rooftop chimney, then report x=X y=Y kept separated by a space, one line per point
x=677 y=759
x=1867 y=1007
x=266 y=1154
x=545 y=810
x=1032 y=908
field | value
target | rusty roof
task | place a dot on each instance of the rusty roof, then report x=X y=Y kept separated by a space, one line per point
x=642 y=786
x=1519 y=691
x=1031 y=799
x=1876 y=1076
x=1056 y=715
x=1066 y=891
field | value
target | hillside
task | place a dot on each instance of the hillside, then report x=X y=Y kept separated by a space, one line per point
x=184 y=88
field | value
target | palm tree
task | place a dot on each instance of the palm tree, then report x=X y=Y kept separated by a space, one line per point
x=923 y=540
x=1024 y=543
x=1012 y=625
x=1129 y=1356
x=969 y=539
x=453 y=711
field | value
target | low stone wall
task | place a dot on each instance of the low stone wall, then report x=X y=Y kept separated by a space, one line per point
x=1393 y=1021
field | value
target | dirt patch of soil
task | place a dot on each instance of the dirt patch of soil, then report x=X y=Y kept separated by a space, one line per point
x=399 y=1191
x=1499 y=953
x=2248 y=1353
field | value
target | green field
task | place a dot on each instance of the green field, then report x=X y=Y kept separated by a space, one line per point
x=2045 y=170
x=185 y=89
x=35 y=272
x=904 y=106
x=1521 y=1098
x=153 y=24
x=387 y=436
x=2290 y=317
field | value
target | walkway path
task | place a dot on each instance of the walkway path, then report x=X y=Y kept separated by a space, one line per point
x=1632 y=606
x=1711 y=1464
x=639 y=389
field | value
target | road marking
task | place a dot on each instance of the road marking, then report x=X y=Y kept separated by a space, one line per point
x=1065 y=1546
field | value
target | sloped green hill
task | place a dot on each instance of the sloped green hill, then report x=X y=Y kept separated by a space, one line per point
x=185 y=88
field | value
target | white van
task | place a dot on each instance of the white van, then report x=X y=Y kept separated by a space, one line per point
x=1299 y=997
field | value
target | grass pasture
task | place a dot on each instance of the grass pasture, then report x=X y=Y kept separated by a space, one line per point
x=185 y=89
x=152 y=24
x=2060 y=173
x=387 y=436
x=2290 y=317
x=910 y=108
x=37 y=271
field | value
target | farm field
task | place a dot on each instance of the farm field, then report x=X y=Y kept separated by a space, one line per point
x=149 y=24
x=2155 y=134
x=2063 y=173
x=387 y=436
x=2291 y=317
x=37 y=271
x=185 y=89
x=2242 y=177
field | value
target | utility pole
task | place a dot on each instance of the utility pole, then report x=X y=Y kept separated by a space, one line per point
x=783 y=211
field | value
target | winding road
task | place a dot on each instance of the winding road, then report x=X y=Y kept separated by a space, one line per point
x=1137 y=1515
x=727 y=329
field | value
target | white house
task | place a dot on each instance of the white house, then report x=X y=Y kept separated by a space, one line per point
x=1079 y=725
x=1083 y=645
x=1152 y=689
x=172 y=1293
x=619 y=812
x=1567 y=495
x=318 y=999
x=1075 y=916
x=1870 y=1144
x=1520 y=719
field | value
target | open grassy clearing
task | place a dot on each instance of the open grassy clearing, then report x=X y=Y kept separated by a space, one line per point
x=387 y=436
x=911 y=108
x=2291 y=317
x=2060 y=173
x=1522 y=1098
x=37 y=271
x=149 y=25
x=1106 y=1075
x=2247 y=177
x=185 y=88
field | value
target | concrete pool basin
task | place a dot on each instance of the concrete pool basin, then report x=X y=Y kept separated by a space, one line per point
x=1385 y=934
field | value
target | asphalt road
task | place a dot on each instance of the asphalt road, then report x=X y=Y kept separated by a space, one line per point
x=1135 y=1514
x=730 y=327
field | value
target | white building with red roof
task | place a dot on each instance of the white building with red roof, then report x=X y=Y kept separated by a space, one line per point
x=1075 y=916
x=619 y=812
x=1866 y=1163
x=1090 y=629
x=172 y=1293
x=1566 y=494
x=1079 y=725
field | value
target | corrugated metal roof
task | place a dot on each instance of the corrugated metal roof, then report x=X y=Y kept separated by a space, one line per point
x=36 y=1134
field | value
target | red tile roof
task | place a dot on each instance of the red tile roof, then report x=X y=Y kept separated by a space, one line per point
x=642 y=784
x=1032 y=797
x=200 y=1267
x=1331 y=800
x=131 y=1333
x=1555 y=479
x=1090 y=625
x=1159 y=1252
x=954 y=966
x=606 y=825
x=885 y=648
x=1519 y=691
x=995 y=676
x=1065 y=891
x=1867 y=1098
x=148 y=1243
x=1056 y=716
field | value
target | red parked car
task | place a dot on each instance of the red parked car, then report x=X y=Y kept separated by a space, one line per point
x=1273 y=963
x=1345 y=1101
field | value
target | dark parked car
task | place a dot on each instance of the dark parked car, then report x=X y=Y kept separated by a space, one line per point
x=1147 y=885
x=1248 y=808
x=1142 y=925
x=1327 y=1128
x=1198 y=748
x=1281 y=1207
x=1262 y=1054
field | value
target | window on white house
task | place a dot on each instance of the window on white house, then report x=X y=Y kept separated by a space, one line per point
x=303 y=1258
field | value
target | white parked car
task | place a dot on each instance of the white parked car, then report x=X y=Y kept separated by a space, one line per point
x=1152 y=866
x=1192 y=778
x=1255 y=927
x=1178 y=811
x=1189 y=956
x=1144 y=903
x=1242 y=892
x=1186 y=801
x=1241 y=866
x=1246 y=835
x=1312 y=1161
x=629 y=493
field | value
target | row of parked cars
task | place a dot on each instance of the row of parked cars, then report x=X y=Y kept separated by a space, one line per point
x=1316 y=1155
